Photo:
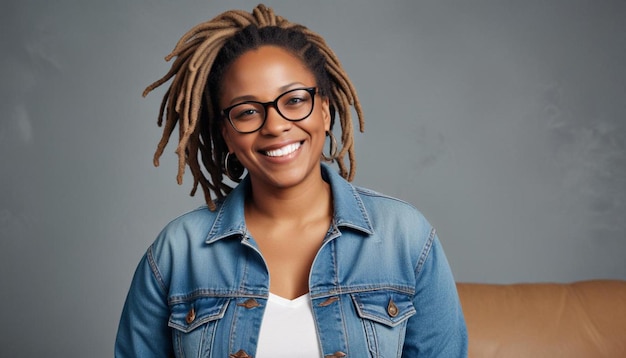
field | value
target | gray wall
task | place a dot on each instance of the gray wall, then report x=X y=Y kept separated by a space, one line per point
x=503 y=121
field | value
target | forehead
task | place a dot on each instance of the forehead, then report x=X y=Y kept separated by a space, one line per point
x=264 y=71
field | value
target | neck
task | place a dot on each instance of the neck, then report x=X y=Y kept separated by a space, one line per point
x=306 y=202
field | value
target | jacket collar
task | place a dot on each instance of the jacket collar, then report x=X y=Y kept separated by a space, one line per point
x=349 y=211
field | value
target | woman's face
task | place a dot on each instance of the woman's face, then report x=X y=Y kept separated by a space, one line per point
x=282 y=153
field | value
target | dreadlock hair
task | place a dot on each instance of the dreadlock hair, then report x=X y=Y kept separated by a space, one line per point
x=204 y=54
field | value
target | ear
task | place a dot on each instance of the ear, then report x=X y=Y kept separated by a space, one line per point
x=226 y=135
x=326 y=113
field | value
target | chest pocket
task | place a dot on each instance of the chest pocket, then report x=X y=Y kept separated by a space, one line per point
x=194 y=324
x=384 y=314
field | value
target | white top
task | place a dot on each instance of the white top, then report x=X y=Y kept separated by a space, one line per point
x=288 y=329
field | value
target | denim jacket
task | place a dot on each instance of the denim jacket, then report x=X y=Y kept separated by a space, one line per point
x=380 y=285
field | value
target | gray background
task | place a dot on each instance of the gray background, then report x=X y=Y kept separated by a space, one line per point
x=503 y=121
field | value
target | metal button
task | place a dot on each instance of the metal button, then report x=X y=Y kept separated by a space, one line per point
x=249 y=303
x=392 y=309
x=191 y=316
x=240 y=354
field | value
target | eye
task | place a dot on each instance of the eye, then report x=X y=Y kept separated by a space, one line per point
x=244 y=112
x=296 y=99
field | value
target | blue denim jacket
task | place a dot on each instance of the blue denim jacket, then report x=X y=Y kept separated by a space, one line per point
x=380 y=285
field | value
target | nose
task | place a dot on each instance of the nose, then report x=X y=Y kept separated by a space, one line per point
x=274 y=122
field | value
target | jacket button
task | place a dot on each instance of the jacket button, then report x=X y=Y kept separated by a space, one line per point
x=249 y=303
x=191 y=316
x=392 y=309
x=336 y=355
x=240 y=354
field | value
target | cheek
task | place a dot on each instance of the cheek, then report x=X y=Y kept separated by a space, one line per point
x=234 y=140
x=238 y=144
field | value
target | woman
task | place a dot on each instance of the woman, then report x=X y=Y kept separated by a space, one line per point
x=294 y=261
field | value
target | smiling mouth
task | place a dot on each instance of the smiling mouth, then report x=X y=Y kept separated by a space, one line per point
x=286 y=150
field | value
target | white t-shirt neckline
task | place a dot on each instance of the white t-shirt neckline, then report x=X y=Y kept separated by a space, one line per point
x=288 y=329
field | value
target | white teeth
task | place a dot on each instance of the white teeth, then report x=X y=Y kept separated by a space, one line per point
x=288 y=149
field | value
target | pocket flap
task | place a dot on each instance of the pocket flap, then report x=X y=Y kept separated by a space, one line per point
x=384 y=306
x=187 y=316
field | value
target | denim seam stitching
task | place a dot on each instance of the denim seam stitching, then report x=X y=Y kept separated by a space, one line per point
x=425 y=252
x=155 y=269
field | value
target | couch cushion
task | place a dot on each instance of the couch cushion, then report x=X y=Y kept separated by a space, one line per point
x=581 y=319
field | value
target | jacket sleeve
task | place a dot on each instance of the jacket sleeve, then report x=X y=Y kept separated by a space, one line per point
x=438 y=328
x=143 y=330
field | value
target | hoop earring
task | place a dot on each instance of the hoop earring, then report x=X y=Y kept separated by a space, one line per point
x=233 y=168
x=333 y=148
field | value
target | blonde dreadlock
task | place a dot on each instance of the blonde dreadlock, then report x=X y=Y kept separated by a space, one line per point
x=191 y=98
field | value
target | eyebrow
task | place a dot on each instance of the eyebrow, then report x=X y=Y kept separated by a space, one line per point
x=282 y=90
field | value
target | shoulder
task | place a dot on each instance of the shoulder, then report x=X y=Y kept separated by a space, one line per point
x=399 y=232
x=392 y=210
x=373 y=212
x=184 y=232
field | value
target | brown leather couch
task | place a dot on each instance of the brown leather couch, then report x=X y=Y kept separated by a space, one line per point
x=580 y=319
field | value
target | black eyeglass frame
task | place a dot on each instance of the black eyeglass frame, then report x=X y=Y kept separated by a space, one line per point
x=311 y=90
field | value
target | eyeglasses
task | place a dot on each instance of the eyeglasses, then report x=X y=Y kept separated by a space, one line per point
x=293 y=105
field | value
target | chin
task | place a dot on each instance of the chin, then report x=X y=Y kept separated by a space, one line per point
x=291 y=178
